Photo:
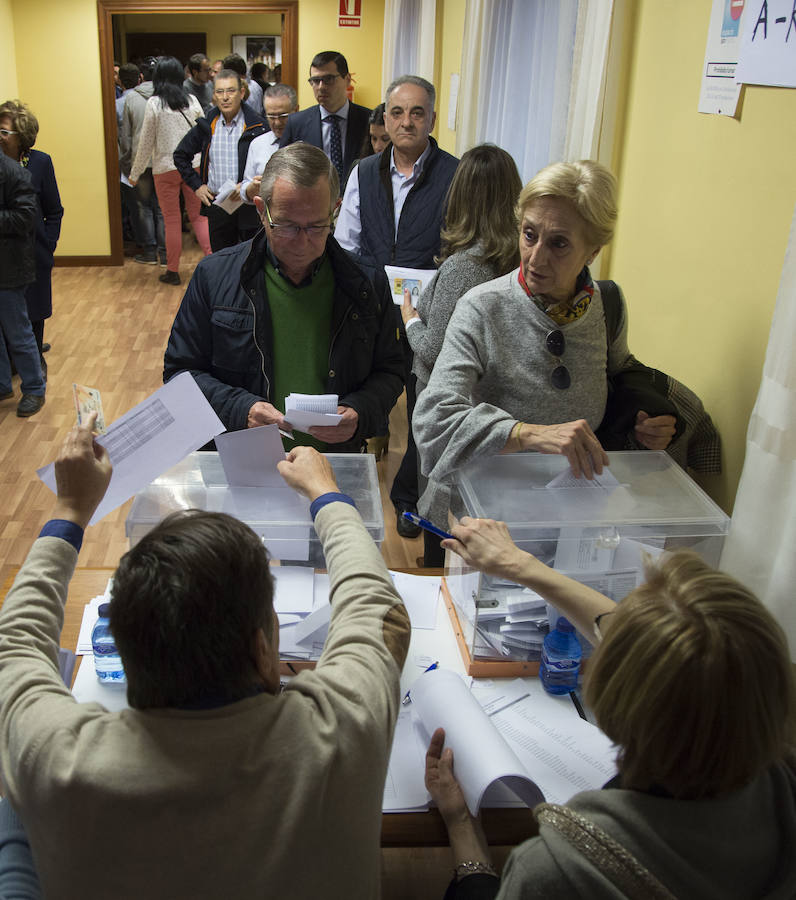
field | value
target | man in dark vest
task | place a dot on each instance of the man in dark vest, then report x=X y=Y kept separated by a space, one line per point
x=392 y=214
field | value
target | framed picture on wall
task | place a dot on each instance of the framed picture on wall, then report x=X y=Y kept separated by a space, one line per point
x=264 y=48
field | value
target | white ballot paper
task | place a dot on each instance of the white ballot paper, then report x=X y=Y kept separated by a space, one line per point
x=303 y=411
x=412 y=280
x=250 y=456
x=151 y=438
x=223 y=199
x=566 y=479
x=420 y=594
x=441 y=700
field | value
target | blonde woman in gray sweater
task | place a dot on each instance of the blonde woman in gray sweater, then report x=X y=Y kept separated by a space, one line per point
x=526 y=357
x=479 y=243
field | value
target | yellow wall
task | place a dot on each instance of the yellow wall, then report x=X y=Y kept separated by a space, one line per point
x=318 y=30
x=450 y=32
x=72 y=132
x=705 y=209
x=8 y=58
x=217 y=26
x=68 y=105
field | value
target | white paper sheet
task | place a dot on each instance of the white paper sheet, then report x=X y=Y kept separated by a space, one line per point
x=415 y=280
x=293 y=589
x=564 y=753
x=151 y=438
x=767 y=54
x=404 y=788
x=719 y=92
x=420 y=594
x=223 y=200
x=304 y=411
x=314 y=628
x=567 y=479
x=442 y=700
x=250 y=456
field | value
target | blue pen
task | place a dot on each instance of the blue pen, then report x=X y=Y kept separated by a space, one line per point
x=408 y=698
x=429 y=526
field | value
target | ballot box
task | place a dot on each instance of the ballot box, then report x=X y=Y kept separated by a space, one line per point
x=277 y=513
x=596 y=532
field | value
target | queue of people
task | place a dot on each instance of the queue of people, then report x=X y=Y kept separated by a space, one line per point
x=513 y=346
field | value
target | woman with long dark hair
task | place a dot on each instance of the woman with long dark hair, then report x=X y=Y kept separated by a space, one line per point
x=377 y=138
x=170 y=114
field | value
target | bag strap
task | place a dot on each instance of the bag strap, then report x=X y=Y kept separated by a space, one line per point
x=612 y=307
x=609 y=857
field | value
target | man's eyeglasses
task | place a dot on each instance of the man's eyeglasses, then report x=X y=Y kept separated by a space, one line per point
x=318 y=80
x=226 y=92
x=556 y=344
x=276 y=116
x=290 y=232
x=4 y=133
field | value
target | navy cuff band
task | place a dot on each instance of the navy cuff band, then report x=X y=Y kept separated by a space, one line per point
x=66 y=530
x=325 y=499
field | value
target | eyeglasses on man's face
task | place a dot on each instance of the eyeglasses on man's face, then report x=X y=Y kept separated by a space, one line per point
x=226 y=92
x=318 y=80
x=291 y=232
x=5 y=133
x=276 y=116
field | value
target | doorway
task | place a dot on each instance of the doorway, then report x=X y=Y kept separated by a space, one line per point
x=107 y=9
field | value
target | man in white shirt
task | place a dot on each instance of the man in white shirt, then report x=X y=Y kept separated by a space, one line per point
x=280 y=101
x=392 y=214
x=335 y=125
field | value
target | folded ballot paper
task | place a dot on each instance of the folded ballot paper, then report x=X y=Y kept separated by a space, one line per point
x=304 y=411
x=513 y=745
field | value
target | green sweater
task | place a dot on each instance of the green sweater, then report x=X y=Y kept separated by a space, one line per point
x=301 y=322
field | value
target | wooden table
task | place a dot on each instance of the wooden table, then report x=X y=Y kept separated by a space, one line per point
x=504 y=827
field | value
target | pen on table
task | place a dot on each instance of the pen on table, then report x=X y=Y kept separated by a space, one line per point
x=429 y=526
x=408 y=695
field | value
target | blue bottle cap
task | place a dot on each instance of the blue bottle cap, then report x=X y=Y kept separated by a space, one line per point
x=104 y=610
x=565 y=625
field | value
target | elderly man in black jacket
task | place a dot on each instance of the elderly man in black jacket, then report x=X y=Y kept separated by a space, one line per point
x=18 y=214
x=290 y=311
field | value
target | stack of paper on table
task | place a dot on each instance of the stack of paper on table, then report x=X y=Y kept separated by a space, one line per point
x=304 y=411
x=512 y=745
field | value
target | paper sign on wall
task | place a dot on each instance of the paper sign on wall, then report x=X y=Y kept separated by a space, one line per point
x=768 y=44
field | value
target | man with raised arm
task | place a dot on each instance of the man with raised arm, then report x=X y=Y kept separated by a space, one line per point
x=215 y=783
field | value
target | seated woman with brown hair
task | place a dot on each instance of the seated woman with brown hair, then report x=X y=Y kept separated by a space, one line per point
x=692 y=680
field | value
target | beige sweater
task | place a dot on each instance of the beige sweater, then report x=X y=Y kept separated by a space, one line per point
x=162 y=129
x=273 y=795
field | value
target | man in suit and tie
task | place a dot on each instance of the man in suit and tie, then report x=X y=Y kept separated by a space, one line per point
x=335 y=125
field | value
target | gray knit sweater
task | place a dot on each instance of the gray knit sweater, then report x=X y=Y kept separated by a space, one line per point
x=494 y=370
x=457 y=275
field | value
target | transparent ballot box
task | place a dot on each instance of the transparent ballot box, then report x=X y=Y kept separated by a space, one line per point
x=597 y=534
x=278 y=514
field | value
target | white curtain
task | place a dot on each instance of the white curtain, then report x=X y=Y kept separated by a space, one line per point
x=409 y=39
x=761 y=548
x=533 y=78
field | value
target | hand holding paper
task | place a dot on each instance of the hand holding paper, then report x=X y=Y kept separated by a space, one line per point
x=82 y=474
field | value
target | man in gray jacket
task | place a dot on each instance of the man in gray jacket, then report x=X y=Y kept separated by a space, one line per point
x=150 y=234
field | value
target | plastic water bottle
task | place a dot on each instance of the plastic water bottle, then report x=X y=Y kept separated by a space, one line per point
x=560 y=663
x=107 y=662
